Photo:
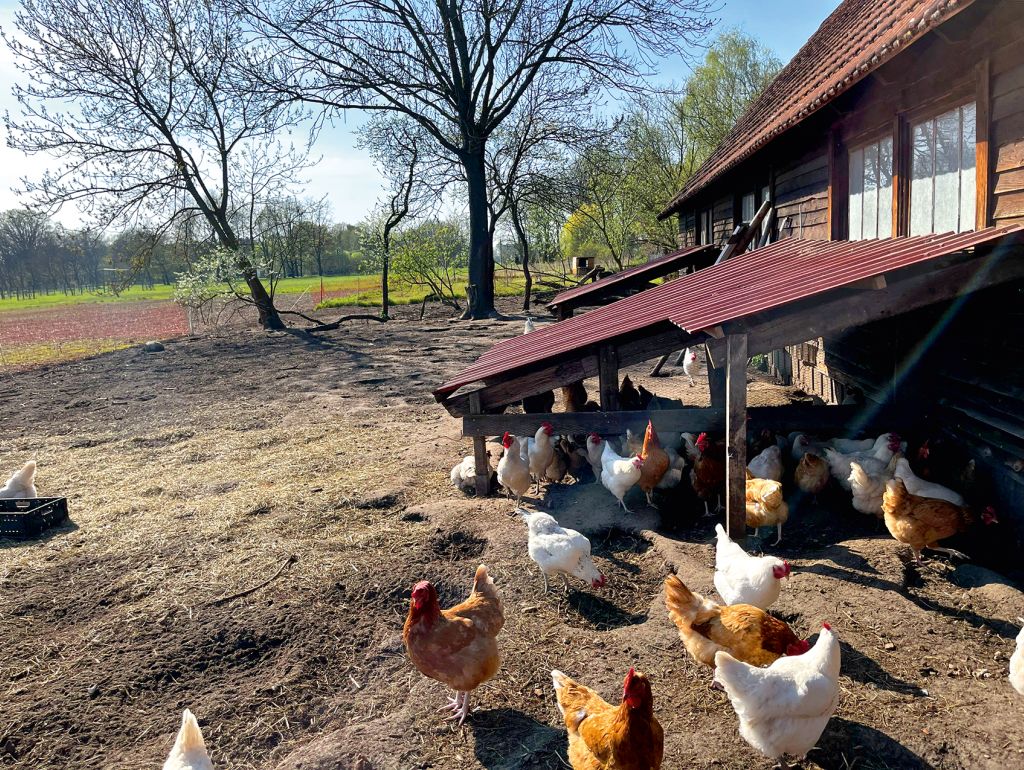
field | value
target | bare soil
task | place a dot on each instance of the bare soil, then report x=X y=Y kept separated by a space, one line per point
x=199 y=473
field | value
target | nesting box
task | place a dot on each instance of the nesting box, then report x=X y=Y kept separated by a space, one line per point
x=583 y=265
x=31 y=517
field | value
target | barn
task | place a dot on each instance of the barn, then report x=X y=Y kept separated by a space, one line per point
x=867 y=213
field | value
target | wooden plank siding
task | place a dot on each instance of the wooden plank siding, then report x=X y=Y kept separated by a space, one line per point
x=1007 y=139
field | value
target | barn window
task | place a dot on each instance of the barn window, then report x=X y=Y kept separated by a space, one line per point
x=870 y=214
x=704 y=227
x=942 y=181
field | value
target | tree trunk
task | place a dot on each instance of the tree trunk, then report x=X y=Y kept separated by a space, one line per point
x=385 y=263
x=268 y=317
x=481 y=246
x=524 y=247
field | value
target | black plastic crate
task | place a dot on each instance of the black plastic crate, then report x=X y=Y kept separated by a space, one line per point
x=31 y=517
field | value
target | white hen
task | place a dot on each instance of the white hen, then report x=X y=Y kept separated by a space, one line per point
x=528 y=326
x=464 y=474
x=557 y=550
x=1017 y=663
x=868 y=488
x=783 y=709
x=189 y=750
x=21 y=484
x=921 y=488
x=744 y=579
x=540 y=450
x=872 y=461
x=595 y=447
x=513 y=469
x=619 y=474
x=691 y=365
x=767 y=465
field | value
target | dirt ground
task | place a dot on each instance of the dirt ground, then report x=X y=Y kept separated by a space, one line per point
x=315 y=471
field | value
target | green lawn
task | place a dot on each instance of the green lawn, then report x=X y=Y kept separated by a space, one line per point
x=400 y=293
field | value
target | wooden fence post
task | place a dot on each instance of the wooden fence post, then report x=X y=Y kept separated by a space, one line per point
x=608 y=378
x=736 y=436
x=483 y=465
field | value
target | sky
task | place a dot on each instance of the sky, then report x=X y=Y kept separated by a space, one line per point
x=347 y=177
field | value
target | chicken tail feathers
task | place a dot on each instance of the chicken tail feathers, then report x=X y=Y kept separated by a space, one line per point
x=189 y=749
x=680 y=602
x=482 y=583
x=26 y=476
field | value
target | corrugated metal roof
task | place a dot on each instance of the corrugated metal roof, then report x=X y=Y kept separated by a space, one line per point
x=759 y=280
x=856 y=39
x=645 y=272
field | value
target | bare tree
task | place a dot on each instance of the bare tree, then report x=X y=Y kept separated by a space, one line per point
x=152 y=115
x=460 y=69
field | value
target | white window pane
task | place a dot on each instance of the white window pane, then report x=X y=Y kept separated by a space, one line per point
x=856 y=195
x=885 y=188
x=947 y=172
x=921 y=165
x=871 y=191
x=748 y=207
x=968 y=180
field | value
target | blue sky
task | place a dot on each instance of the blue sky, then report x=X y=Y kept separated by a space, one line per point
x=346 y=176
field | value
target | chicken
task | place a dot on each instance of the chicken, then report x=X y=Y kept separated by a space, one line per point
x=528 y=326
x=746 y=632
x=765 y=505
x=768 y=464
x=574 y=399
x=457 y=646
x=513 y=470
x=922 y=488
x=812 y=474
x=557 y=550
x=803 y=444
x=1017 y=662
x=691 y=365
x=921 y=522
x=851 y=444
x=577 y=455
x=595 y=448
x=744 y=579
x=21 y=484
x=689 y=443
x=783 y=709
x=872 y=461
x=708 y=473
x=559 y=465
x=619 y=474
x=656 y=462
x=539 y=451
x=541 y=403
x=629 y=397
x=868 y=489
x=606 y=737
x=189 y=750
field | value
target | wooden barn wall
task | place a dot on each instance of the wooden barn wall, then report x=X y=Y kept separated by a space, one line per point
x=801 y=197
x=687 y=230
x=1007 y=95
x=722 y=219
x=955 y=372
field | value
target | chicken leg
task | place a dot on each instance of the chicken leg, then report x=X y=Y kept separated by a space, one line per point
x=949 y=552
x=460 y=707
x=780 y=536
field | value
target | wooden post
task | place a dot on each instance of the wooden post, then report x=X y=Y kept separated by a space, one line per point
x=716 y=384
x=656 y=371
x=608 y=378
x=983 y=120
x=736 y=436
x=483 y=466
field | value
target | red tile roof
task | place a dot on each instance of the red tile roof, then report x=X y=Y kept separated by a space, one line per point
x=759 y=280
x=656 y=268
x=856 y=39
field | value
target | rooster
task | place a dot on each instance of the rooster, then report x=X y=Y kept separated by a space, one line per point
x=21 y=484
x=606 y=737
x=922 y=488
x=656 y=462
x=457 y=646
x=619 y=474
x=746 y=632
x=189 y=750
x=744 y=579
x=783 y=709
x=765 y=504
x=1017 y=662
x=921 y=522
x=513 y=470
x=557 y=550
x=708 y=473
x=812 y=474
x=768 y=464
x=691 y=365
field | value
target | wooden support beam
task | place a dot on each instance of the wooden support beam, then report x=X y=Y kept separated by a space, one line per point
x=483 y=465
x=716 y=384
x=736 y=436
x=608 y=377
x=823 y=420
x=715 y=331
x=874 y=283
x=656 y=371
x=983 y=162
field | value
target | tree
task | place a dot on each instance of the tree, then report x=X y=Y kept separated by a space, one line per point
x=459 y=70
x=154 y=116
x=431 y=254
x=24 y=235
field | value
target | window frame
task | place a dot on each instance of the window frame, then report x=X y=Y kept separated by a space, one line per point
x=859 y=142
